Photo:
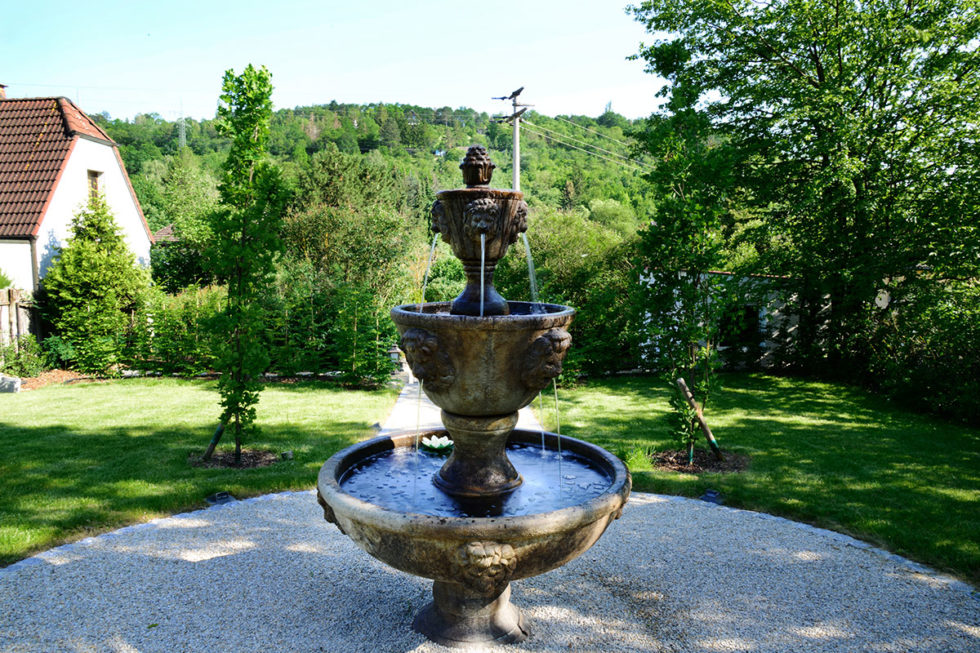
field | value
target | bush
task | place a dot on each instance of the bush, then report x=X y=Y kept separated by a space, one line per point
x=926 y=350
x=58 y=351
x=318 y=325
x=91 y=291
x=23 y=359
x=173 y=334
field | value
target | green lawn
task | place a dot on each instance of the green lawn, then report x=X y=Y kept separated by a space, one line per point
x=826 y=454
x=86 y=458
x=82 y=459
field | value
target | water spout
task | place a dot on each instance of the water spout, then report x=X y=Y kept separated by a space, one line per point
x=428 y=266
x=532 y=277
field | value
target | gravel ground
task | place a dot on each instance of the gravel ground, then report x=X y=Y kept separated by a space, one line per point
x=269 y=574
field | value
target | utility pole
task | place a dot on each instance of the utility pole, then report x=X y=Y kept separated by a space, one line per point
x=515 y=120
x=182 y=134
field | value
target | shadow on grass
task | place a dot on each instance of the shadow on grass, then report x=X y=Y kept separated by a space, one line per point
x=821 y=453
x=61 y=483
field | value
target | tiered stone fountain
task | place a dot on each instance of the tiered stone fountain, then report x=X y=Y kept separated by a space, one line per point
x=478 y=522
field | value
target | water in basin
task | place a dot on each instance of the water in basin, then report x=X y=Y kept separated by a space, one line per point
x=387 y=480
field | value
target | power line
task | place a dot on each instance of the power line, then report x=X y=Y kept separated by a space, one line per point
x=575 y=147
x=586 y=143
x=110 y=88
x=594 y=131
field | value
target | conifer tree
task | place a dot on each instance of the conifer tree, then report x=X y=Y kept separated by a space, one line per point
x=92 y=290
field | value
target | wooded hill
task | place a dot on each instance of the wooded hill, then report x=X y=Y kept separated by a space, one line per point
x=567 y=161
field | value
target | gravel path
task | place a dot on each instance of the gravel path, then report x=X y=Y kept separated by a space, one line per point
x=269 y=574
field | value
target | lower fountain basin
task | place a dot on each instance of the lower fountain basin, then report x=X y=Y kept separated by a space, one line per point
x=438 y=546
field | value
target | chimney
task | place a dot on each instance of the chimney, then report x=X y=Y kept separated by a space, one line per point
x=3 y=91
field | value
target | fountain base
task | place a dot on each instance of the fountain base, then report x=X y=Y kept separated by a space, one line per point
x=459 y=616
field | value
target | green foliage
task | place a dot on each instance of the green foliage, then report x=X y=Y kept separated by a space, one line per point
x=245 y=245
x=681 y=302
x=174 y=334
x=926 y=347
x=366 y=176
x=584 y=265
x=5 y=281
x=25 y=358
x=350 y=234
x=92 y=290
x=615 y=215
x=446 y=277
x=360 y=336
x=854 y=127
x=178 y=264
x=59 y=352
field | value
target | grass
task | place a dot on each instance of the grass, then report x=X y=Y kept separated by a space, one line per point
x=81 y=459
x=821 y=453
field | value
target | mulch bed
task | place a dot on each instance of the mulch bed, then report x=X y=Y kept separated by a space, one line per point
x=704 y=461
x=52 y=376
x=250 y=458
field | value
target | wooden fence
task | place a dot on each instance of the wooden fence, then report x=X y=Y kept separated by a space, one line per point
x=16 y=315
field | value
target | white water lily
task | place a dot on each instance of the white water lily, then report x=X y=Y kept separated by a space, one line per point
x=437 y=442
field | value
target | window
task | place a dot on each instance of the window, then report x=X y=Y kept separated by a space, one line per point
x=93 y=183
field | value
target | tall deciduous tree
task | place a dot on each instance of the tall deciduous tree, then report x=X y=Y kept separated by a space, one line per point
x=246 y=242
x=855 y=126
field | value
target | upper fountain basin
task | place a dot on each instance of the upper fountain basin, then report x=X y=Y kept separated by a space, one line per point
x=482 y=366
x=463 y=214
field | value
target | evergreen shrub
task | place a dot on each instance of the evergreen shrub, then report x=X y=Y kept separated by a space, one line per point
x=93 y=289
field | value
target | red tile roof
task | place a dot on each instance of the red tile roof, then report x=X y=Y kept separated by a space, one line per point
x=165 y=235
x=36 y=136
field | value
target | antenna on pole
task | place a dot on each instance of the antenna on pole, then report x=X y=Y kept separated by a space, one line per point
x=515 y=119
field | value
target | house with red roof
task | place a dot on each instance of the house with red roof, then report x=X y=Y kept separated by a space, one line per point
x=53 y=157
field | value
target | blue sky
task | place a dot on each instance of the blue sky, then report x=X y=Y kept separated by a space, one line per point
x=140 y=57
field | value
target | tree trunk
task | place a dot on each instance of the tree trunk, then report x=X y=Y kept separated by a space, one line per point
x=699 y=420
x=214 y=441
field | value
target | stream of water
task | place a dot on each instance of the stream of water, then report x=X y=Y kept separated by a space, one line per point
x=483 y=264
x=428 y=266
x=532 y=277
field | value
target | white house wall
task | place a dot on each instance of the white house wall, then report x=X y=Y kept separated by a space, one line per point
x=15 y=262
x=71 y=195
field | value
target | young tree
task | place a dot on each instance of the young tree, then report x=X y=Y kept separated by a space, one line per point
x=93 y=287
x=245 y=245
x=682 y=303
x=855 y=126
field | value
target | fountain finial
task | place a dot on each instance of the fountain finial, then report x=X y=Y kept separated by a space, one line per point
x=477 y=167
